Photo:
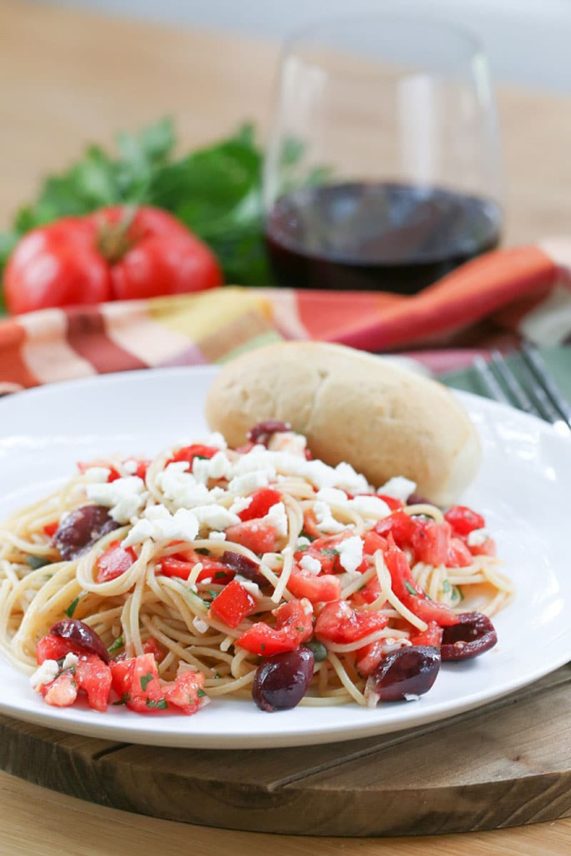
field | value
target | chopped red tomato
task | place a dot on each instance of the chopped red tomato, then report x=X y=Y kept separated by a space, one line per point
x=411 y=595
x=261 y=502
x=142 y=467
x=151 y=646
x=431 y=636
x=393 y=503
x=431 y=542
x=114 y=473
x=185 y=691
x=488 y=548
x=93 y=676
x=189 y=453
x=61 y=692
x=256 y=536
x=339 y=623
x=50 y=529
x=459 y=556
x=181 y=564
x=463 y=520
x=310 y=523
x=233 y=604
x=369 y=657
x=114 y=561
x=294 y=625
x=367 y=594
x=317 y=589
x=372 y=542
x=400 y=525
x=55 y=648
x=326 y=551
x=136 y=682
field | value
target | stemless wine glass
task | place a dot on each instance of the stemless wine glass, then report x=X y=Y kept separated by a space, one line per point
x=383 y=168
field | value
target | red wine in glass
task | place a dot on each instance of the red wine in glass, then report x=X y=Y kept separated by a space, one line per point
x=376 y=235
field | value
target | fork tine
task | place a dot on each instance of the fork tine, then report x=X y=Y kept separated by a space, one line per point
x=489 y=382
x=516 y=390
x=537 y=367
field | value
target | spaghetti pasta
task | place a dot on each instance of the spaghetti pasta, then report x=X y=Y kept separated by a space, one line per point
x=211 y=560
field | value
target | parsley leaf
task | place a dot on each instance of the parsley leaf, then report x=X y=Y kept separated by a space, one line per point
x=410 y=588
x=72 y=607
x=159 y=704
x=145 y=680
x=116 y=645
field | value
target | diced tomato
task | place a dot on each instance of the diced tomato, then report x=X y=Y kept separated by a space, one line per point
x=393 y=503
x=185 y=691
x=55 y=648
x=431 y=542
x=232 y=605
x=189 y=453
x=411 y=595
x=369 y=657
x=367 y=594
x=114 y=473
x=50 y=529
x=93 y=676
x=488 y=548
x=256 y=536
x=459 y=556
x=431 y=636
x=310 y=523
x=372 y=542
x=114 y=561
x=181 y=564
x=338 y=622
x=400 y=525
x=261 y=502
x=136 y=682
x=294 y=625
x=317 y=589
x=62 y=692
x=151 y=646
x=463 y=520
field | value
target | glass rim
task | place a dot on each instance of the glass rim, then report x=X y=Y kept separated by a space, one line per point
x=461 y=33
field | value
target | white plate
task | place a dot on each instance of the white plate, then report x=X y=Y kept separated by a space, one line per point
x=523 y=489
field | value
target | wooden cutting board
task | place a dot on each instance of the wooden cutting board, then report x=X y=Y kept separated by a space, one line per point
x=504 y=765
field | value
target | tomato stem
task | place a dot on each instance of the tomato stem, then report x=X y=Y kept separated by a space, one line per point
x=113 y=238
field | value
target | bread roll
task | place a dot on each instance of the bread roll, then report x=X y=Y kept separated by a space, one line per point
x=354 y=407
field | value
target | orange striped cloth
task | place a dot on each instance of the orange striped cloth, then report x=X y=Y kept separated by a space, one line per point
x=522 y=292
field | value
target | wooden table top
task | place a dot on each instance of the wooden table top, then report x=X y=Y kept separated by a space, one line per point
x=67 y=78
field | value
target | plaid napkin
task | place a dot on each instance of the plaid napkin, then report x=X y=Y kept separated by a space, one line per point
x=493 y=300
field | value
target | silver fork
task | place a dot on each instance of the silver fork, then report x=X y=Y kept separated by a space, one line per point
x=532 y=389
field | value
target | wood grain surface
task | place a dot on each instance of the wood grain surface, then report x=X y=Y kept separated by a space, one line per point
x=506 y=764
x=68 y=78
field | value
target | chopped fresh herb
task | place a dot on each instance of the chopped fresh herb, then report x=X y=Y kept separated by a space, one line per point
x=123 y=700
x=117 y=644
x=300 y=548
x=201 y=693
x=457 y=595
x=159 y=704
x=220 y=575
x=300 y=628
x=145 y=680
x=213 y=593
x=318 y=648
x=446 y=587
x=72 y=607
x=330 y=551
x=410 y=588
x=36 y=562
x=202 y=552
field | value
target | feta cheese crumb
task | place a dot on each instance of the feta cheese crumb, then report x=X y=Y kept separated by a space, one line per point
x=217 y=467
x=325 y=520
x=369 y=506
x=200 y=625
x=130 y=466
x=398 y=487
x=333 y=496
x=160 y=525
x=250 y=586
x=181 y=487
x=240 y=504
x=306 y=606
x=125 y=497
x=310 y=564
x=70 y=662
x=96 y=474
x=477 y=537
x=217 y=536
x=411 y=697
x=250 y=481
x=277 y=518
x=302 y=543
x=215 y=516
x=45 y=674
x=351 y=553
x=288 y=441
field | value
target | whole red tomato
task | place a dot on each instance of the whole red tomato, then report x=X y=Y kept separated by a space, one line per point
x=116 y=253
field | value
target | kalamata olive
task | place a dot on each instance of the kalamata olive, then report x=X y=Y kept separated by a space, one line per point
x=471 y=636
x=243 y=566
x=406 y=671
x=418 y=499
x=82 y=528
x=262 y=432
x=281 y=681
x=82 y=635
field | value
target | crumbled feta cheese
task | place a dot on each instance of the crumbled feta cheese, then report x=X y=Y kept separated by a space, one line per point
x=369 y=506
x=477 y=537
x=288 y=441
x=217 y=536
x=325 y=520
x=240 y=504
x=45 y=674
x=217 y=467
x=125 y=497
x=160 y=526
x=215 y=516
x=96 y=474
x=333 y=496
x=348 y=479
x=306 y=606
x=251 y=587
x=277 y=518
x=310 y=564
x=70 y=662
x=411 y=697
x=350 y=553
x=200 y=625
x=398 y=487
x=302 y=543
x=250 y=481
x=181 y=487
x=130 y=466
